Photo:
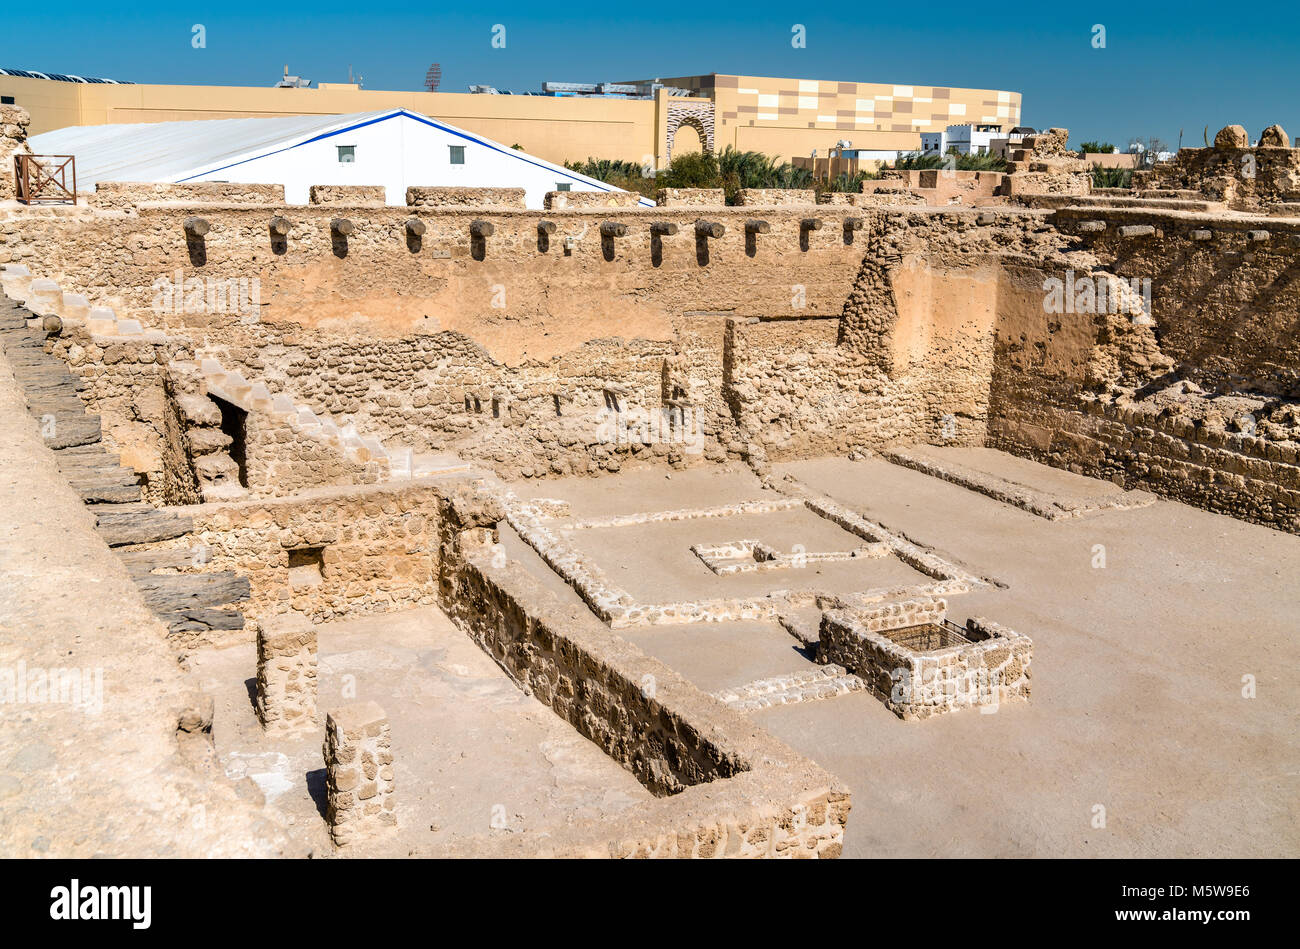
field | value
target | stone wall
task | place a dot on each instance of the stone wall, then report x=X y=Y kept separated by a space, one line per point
x=1203 y=405
x=911 y=356
x=578 y=200
x=1231 y=171
x=503 y=351
x=434 y=197
x=13 y=141
x=353 y=196
x=690 y=197
x=775 y=197
x=124 y=195
x=326 y=554
x=724 y=788
x=990 y=669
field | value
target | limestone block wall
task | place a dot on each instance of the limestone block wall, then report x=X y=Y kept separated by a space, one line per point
x=283 y=460
x=1225 y=290
x=911 y=356
x=1245 y=178
x=1229 y=473
x=775 y=197
x=14 y=121
x=434 y=197
x=690 y=197
x=326 y=555
x=1209 y=411
x=359 y=781
x=521 y=293
x=991 y=669
x=348 y=195
x=286 y=674
x=567 y=200
x=394 y=337
x=724 y=788
x=125 y=382
x=124 y=195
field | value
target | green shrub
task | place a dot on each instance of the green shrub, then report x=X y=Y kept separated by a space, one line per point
x=1111 y=177
x=983 y=162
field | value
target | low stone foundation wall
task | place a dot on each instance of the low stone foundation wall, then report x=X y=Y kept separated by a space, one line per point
x=118 y=195
x=725 y=788
x=769 y=197
x=366 y=196
x=419 y=196
x=326 y=554
x=690 y=197
x=563 y=200
x=1228 y=473
x=943 y=674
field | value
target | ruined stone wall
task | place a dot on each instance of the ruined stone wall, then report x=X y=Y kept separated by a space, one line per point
x=521 y=293
x=327 y=554
x=912 y=355
x=724 y=789
x=1199 y=406
x=124 y=381
x=13 y=141
x=444 y=392
x=394 y=334
x=283 y=460
x=1244 y=178
x=125 y=195
x=1225 y=290
x=431 y=197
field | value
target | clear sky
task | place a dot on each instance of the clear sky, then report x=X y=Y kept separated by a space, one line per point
x=1164 y=67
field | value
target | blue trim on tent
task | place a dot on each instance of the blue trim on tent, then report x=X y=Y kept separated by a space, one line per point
x=555 y=169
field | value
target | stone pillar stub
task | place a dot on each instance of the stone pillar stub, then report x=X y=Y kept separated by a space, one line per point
x=358 y=772
x=286 y=674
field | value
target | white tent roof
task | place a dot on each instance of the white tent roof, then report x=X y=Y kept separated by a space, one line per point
x=180 y=151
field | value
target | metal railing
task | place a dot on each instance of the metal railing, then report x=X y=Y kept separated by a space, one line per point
x=43 y=179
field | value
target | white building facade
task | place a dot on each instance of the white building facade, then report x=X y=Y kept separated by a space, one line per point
x=964 y=139
x=394 y=148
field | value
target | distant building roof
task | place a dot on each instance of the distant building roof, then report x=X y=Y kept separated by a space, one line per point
x=62 y=77
x=186 y=151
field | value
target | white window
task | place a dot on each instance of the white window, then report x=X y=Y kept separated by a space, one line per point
x=347 y=154
x=457 y=154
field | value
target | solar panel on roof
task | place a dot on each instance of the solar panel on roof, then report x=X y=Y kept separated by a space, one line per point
x=60 y=77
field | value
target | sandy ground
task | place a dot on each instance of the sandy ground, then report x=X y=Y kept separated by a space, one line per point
x=98 y=772
x=474 y=755
x=1138 y=740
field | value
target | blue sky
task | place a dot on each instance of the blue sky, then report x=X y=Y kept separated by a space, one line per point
x=1165 y=66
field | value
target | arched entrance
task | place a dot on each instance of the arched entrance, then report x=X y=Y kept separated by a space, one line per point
x=688 y=139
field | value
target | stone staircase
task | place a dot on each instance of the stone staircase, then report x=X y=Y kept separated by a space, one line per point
x=808 y=685
x=185 y=602
x=43 y=298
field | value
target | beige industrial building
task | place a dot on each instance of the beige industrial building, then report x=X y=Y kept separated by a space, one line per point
x=786 y=118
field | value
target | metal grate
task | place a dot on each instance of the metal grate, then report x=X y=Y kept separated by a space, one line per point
x=928 y=636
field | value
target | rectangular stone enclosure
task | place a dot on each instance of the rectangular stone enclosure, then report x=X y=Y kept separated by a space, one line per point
x=919 y=664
